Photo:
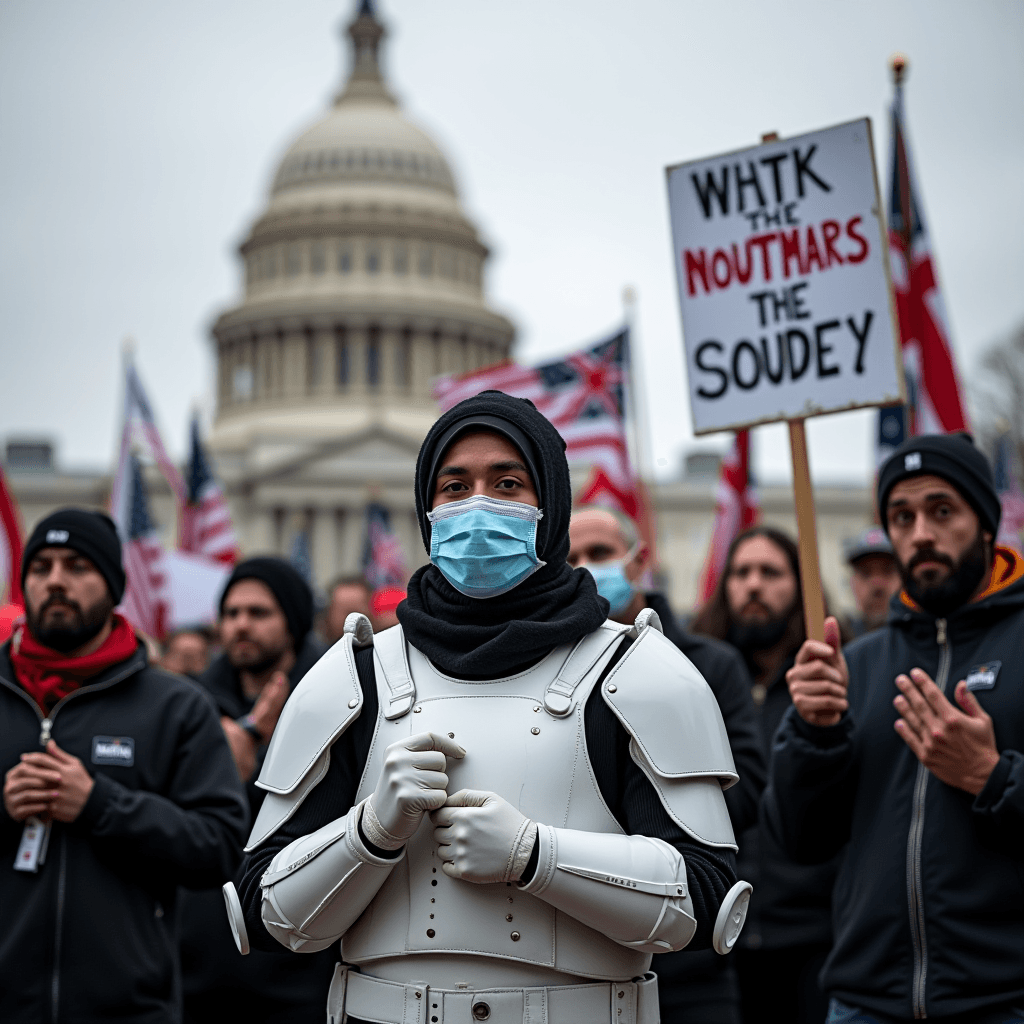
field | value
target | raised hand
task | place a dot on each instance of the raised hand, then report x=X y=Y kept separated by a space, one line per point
x=412 y=782
x=957 y=747
x=482 y=838
x=818 y=680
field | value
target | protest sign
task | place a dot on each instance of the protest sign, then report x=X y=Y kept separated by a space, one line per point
x=781 y=259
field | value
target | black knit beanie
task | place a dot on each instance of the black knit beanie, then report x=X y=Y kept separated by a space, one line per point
x=952 y=457
x=92 y=534
x=290 y=591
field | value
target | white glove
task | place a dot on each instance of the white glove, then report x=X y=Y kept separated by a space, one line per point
x=482 y=838
x=412 y=782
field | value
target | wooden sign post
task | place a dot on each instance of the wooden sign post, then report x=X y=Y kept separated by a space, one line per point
x=781 y=257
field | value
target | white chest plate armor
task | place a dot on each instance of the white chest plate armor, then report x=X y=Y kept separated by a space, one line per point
x=534 y=758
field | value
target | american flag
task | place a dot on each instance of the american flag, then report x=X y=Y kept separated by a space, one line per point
x=736 y=508
x=583 y=395
x=146 y=602
x=206 y=526
x=383 y=562
x=924 y=329
x=10 y=546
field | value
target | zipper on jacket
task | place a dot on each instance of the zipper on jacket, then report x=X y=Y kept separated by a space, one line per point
x=915 y=888
x=57 y=943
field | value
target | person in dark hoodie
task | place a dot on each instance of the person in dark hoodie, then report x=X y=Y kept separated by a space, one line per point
x=758 y=607
x=118 y=789
x=697 y=987
x=484 y=802
x=904 y=753
x=266 y=618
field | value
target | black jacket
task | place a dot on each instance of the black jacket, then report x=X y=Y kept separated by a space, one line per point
x=791 y=904
x=929 y=902
x=91 y=937
x=269 y=983
x=724 y=669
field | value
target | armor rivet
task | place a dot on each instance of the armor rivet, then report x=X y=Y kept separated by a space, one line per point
x=508 y=917
x=419 y=995
x=621 y=993
x=430 y=933
x=416 y=710
x=432 y=900
x=510 y=899
x=451 y=735
x=537 y=708
x=433 y=881
x=431 y=917
x=612 y=688
x=515 y=936
x=353 y=702
x=535 y=731
x=481 y=1011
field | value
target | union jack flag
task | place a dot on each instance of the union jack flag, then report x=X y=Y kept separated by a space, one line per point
x=924 y=329
x=383 y=561
x=206 y=527
x=147 y=601
x=583 y=395
x=736 y=508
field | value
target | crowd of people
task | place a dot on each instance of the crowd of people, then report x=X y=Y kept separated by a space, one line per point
x=534 y=782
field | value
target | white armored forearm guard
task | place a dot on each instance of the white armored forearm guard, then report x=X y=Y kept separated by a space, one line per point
x=631 y=888
x=316 y=887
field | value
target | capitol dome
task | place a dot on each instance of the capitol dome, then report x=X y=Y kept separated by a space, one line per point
x=363 y=281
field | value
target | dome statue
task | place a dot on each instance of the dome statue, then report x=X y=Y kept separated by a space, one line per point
x=363 y=281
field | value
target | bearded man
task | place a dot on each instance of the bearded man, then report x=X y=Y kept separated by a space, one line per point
x=266 y=618
x=118 y=788
x=504 y=805
x=758 y=607
x=906 y=753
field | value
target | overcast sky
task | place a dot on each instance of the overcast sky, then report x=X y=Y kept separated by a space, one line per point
x=139 y=140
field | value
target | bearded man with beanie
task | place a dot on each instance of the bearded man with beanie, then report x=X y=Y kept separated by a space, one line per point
x=904 y=752
x=266 y=619
x=118 y=788
x=505 y=804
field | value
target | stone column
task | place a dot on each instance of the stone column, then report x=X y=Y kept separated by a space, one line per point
x=324 y=339
x=324 y=544
x=293 y=369
x=353 y=530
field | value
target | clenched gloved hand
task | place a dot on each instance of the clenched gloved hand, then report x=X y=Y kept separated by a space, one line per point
x=482 y=838
x=412 y=782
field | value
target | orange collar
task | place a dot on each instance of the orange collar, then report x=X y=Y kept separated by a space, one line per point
x=1007 y=568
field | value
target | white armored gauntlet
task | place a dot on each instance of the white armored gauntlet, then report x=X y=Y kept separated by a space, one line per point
x=316 y=887
x=631 y=888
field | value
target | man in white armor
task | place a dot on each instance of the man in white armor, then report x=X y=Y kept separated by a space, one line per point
x=504 y=805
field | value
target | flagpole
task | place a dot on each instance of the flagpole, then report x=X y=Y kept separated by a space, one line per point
x=637 y=408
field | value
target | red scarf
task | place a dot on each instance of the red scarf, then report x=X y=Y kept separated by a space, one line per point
x=48 y=675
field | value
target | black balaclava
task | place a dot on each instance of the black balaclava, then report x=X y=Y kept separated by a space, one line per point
x=471 y=638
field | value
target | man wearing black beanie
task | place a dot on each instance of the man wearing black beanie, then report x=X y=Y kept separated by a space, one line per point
x=266 y=616
x=905 y=752
x=118 y=790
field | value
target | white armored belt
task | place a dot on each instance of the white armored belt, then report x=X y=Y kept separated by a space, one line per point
x=387 y=1002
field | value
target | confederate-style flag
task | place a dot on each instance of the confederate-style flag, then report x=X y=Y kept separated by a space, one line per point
x=583 y=395
x=206 y=527
x=924 y=330
x=736 y=509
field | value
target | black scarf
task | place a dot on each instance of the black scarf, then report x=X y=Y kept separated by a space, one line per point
x=471 y=638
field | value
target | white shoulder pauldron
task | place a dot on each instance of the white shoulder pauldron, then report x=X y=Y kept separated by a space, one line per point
x=324 y=704
x=677 y=735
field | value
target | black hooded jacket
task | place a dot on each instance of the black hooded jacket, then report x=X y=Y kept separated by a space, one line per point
x=929 y=900
x=470 y=638
x=91 y=937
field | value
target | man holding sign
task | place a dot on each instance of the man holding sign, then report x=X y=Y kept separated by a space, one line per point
x=917 y=777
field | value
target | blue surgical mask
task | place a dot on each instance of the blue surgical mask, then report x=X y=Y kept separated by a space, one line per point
x=483 y=546
x=613 y=585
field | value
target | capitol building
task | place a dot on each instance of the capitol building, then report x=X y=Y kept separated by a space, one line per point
x=363 y=279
